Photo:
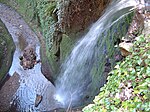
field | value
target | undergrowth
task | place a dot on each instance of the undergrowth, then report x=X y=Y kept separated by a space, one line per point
x=128 y=86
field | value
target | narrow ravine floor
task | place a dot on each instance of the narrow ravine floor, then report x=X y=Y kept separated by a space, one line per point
x=32 y=82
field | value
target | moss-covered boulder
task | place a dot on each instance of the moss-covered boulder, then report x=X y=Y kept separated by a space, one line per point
x=7 y=48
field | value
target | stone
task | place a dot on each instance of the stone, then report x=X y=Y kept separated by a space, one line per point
x=28 y=60
x=38 y=100
x=125 y=48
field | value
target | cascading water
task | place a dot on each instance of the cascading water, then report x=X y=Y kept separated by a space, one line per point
x=77 y=71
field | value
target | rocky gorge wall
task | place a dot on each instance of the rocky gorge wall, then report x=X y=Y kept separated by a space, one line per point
x=68 y=21
x=7 y=48
x=47 y=19
x=107 y=54
x=61 y=23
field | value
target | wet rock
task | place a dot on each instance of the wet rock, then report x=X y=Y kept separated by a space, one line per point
x=38 y=100
x=72 y=19
x=28 y=60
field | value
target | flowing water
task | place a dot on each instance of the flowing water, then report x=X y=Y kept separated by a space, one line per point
x=32 y=81
x=76 y=76
x=76 y=72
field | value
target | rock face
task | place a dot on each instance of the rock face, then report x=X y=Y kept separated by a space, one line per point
x=6 y=50
x=77 y=15
x=72 y=19
x=106 y=55
x=62 y=24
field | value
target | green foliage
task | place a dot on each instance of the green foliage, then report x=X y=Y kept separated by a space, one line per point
x=128 y=86
x=45 y=11
x=25 y=7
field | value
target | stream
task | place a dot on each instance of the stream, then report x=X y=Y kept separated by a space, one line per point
x=32 y=81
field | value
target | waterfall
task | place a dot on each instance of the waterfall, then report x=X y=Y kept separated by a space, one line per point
x=76 y=72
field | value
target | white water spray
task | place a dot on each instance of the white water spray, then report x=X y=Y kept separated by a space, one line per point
x=76 y=74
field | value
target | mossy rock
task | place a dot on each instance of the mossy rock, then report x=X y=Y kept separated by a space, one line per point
x=66 y=46
x=7 y=48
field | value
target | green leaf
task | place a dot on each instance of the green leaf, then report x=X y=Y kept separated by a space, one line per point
x=148 y=71
x=139 y=61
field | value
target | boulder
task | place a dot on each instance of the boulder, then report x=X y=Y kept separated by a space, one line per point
x=28 y=60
